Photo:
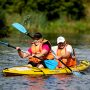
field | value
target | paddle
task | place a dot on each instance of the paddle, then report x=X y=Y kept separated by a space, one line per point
x=51 y=64
x=73 y=72
x=7 y=44
x=21 y=29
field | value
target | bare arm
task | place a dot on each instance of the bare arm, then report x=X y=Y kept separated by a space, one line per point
x=21 y=53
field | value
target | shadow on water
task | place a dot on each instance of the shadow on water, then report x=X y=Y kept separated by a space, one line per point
x=9 y=58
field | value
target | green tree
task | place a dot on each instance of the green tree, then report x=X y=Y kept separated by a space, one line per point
x=73 y=9
x=53 y=9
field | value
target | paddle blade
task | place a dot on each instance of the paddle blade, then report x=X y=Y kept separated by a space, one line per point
x=19 y=27
x=77 y=74
x=3 y=43
x=51 y=64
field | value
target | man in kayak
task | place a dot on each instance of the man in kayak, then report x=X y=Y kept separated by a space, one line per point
x=65 y=52
x=39 y=51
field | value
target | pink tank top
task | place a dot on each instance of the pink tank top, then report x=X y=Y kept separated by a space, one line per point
x=44 y=47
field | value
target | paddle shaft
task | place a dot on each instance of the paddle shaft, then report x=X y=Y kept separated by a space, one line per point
x=29 y=35
x=61 y=61
x=65 y=65
x=7 y=44
x=11 y=46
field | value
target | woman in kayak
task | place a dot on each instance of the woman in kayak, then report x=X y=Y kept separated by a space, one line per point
x=39 y=51
x=65 y=52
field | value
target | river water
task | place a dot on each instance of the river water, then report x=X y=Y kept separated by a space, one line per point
x=9 y=58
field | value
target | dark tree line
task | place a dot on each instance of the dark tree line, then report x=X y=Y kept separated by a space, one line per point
x=53 y=9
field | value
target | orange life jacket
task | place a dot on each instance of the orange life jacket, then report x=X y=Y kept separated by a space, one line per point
x=37 y=49
x=70 y=61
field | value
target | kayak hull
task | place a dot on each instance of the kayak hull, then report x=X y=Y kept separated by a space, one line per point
x=27 y=70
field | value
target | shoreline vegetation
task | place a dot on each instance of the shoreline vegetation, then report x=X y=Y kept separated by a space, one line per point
x=50 y=30
x=36 y=22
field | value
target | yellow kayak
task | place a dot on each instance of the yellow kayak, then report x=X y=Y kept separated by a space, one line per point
x=27 y=70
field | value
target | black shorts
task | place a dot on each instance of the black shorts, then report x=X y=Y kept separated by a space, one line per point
x=35 y=64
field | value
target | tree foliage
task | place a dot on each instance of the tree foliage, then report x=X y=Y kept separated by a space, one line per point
x=53 y=9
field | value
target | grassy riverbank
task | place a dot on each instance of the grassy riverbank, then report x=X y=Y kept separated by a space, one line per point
x=51 y=30
x=36 y=22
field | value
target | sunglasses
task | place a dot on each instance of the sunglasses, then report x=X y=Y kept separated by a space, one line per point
x=61 y=44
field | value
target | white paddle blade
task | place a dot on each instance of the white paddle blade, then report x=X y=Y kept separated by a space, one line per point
x=19 y=27
x=77 y=74
x=3 y=43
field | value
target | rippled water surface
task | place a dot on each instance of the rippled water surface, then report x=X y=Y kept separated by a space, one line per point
x=9 y=58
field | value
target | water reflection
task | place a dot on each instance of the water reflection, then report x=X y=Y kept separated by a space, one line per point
x=56 y=82
x=35 y=82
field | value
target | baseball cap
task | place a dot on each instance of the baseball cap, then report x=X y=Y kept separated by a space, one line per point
x=60 y=39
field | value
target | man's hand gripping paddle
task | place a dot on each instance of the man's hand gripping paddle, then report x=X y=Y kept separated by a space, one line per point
x=78 y=74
